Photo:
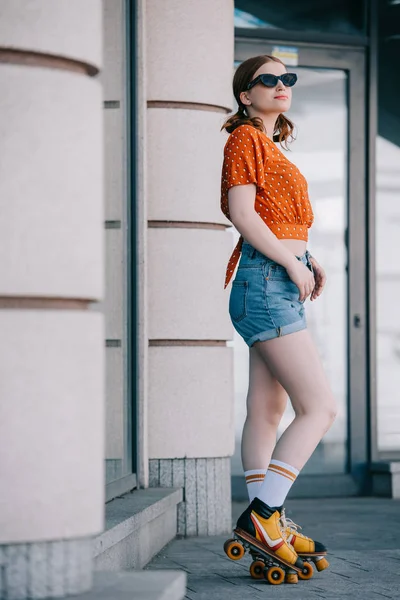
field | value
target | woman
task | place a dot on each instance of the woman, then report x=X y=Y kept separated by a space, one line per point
x=265 y=196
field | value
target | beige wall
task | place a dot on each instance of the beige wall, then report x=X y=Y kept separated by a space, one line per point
x=189 y=65
x=51 y=244
x=186 y=146
x=194 y=408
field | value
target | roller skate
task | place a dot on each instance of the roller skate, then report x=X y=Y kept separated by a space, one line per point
x=259 y=530
x=306 y=548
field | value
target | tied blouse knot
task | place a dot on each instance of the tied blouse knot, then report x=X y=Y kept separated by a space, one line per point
x=281 y=200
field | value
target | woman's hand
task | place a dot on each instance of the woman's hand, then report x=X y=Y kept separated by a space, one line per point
x=302 y=277
x=320 y=279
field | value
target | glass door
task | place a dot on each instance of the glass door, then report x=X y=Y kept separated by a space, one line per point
x=328 y=111
x=320 y=112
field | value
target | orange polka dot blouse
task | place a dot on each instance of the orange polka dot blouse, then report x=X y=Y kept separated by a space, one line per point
x=281 y=194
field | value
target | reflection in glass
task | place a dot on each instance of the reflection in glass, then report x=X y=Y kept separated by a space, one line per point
x=388 y=231
x=319 y=111
x=388 y=293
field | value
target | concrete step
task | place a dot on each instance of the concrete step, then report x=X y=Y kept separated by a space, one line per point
x=137 y=585
x=138 y=526
x=386 y=478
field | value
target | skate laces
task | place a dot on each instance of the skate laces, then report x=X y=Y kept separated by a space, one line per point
x=288 y=524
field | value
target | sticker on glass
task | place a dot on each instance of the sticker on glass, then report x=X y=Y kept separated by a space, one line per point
x=289 y=55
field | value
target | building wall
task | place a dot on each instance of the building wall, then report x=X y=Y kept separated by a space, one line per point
x=51 y=345
x=190 y=395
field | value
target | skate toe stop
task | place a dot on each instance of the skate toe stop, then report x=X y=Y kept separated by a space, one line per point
x=322 y=564
x=319 y=547
x=291 y=578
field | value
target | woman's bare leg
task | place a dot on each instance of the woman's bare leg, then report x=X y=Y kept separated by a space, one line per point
x=266 y=403
x=294 y=361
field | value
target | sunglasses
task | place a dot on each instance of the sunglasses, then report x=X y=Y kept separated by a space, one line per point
x=269 y=80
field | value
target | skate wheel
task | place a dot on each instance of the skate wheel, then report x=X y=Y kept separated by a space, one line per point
x=257 y=569
x=275 y=575
x=321 y=564
x=227 y=543
x=307 y=571
x=291 y=578
x=234 y=550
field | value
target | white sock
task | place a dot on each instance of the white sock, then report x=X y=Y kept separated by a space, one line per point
x=254 y=480
x=278 y=480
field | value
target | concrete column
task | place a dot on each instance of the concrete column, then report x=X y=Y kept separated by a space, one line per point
x=190 y=416
x=51 y=345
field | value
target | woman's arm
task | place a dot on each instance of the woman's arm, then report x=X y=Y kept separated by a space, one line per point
x=258 y=234
x=253 y=229
x=320 y=278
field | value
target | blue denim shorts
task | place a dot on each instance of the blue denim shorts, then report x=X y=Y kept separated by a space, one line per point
x=264 y=302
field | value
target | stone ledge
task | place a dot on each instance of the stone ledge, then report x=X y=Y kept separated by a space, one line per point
x=138 y=525
x=127 y=514
x=386 y=479
x=140 y=585
x=386 y=467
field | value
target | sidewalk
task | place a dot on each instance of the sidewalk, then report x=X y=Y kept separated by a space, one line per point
x=363 y=540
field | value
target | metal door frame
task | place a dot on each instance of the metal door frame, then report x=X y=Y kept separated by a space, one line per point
x=352 y=60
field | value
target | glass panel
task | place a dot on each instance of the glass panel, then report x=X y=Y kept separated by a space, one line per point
x=118 y=449
x=319 y=111
x=388 y=231
x=339 y=16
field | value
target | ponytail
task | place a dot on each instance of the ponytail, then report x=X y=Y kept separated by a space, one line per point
x=240 y=118
x=283 y=132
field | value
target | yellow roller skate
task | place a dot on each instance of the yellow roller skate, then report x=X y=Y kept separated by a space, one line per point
x=306 y=548
x=259 y=530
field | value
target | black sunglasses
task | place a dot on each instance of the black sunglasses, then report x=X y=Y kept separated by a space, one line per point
x=269 y=80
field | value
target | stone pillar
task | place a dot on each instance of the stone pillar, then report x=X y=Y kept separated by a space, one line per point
x=190 y=412
x=51 y=345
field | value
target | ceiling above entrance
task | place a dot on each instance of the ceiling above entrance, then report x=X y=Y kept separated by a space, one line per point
x=335 y=16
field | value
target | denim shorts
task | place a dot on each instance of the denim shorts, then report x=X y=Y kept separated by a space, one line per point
x=264 y=302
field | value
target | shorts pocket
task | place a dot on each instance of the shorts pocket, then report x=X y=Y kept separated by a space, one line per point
x=278 y=273
x=238 y=300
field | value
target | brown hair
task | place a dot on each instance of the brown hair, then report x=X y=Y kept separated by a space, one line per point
x=283 y=132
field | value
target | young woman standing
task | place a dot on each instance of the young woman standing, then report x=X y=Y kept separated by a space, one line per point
x=265 y=196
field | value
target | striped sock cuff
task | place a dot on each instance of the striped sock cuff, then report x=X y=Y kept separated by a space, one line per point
x=255 y=475
x=283 y=469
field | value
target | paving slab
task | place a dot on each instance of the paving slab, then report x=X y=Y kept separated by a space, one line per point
x=363 y=540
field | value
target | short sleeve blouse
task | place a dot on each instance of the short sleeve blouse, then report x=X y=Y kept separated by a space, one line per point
x=281 y=199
